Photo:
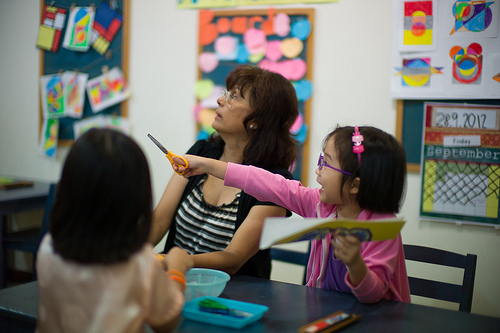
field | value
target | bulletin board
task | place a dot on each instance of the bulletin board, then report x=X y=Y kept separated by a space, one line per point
x=409 y=126
x=90 y=62
x=258 y=19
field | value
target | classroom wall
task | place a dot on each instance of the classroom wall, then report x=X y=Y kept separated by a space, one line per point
x=351 y=86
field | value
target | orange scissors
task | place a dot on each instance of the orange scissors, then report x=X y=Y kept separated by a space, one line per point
x=169 y=155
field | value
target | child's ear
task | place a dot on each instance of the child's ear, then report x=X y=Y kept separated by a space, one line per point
x=354 y=188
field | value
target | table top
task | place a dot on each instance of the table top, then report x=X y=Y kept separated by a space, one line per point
x=23 y=198
x=292 y=306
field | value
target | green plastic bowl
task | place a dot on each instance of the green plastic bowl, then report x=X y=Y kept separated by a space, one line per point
x=205 y=282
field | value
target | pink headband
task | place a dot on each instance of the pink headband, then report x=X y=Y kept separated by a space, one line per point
x=357 y=147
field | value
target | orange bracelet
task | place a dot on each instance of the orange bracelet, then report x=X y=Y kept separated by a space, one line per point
x=178 y=279
x=177 y=273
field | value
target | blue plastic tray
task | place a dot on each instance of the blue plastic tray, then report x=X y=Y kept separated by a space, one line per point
x=191 y=311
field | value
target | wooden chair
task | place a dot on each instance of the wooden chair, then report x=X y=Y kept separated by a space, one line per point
x=292 y=257
x=461 y=294
x=28 y=240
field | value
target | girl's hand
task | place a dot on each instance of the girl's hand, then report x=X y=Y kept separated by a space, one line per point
x=178 y=259
x=200 y=165
x=348 y=249
x=196 y=165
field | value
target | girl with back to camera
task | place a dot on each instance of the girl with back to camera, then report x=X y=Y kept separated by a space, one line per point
x=362 y=173
x=96 y=272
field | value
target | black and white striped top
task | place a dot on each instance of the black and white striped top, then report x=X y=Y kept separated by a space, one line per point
x=202 y=227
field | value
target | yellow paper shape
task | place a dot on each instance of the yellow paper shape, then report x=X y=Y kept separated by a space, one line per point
x=101 y=45
x=45 y=38
x=291 y=47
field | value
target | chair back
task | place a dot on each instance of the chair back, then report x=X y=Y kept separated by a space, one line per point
x=48 y=209
x=292 y=257
x=461 y=294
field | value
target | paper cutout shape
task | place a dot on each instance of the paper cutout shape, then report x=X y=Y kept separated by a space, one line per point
x=207 y=31
x=107 y=22
x=418 y=23
x=293 y=69
x=223 y=25
x=203 y=88
x=301 y=29
x=273 y=51
x=208 y=61
x=243 y=54
x=78 y=30
x=211 y=101
x=282 y=24
x=417 y=72
x=74 y=93
x=292 y=47
x=48 y=137
x=303 y=89
x=226 y=48
x=107 y=89
x=49 y=34
x=467 y=63
x=255 y=41
x=473 y=16
x=255 y=58
x=52 y=95
x=239 y=24
x=268 y=25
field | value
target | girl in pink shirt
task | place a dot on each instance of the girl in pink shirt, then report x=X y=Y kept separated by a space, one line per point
x=362 y=173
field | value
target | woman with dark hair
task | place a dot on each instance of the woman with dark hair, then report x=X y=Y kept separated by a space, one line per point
x=96 y=271
x=219 y=225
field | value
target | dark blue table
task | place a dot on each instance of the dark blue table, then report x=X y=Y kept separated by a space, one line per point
x=290 y=306
x=14 y=201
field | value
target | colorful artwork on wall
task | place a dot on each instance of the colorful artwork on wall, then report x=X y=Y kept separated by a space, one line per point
x=52 y=94
x=49 y=34
x=457 y=65
x=74 y=93
x=48 y=139
x=107 y=89
x=78 y=30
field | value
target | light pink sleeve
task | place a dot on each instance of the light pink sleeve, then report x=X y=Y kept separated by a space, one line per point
x=267 y=186
x=382 y=261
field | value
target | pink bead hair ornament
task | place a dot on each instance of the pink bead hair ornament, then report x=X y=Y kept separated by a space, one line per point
x=357 y=147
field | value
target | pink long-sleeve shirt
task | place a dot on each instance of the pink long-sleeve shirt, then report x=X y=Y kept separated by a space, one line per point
x=386 y=275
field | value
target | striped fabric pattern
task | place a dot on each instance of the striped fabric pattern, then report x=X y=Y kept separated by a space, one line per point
x=202 y=227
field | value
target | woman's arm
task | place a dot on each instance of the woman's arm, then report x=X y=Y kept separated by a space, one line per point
x=166 y=208
x=245 y=242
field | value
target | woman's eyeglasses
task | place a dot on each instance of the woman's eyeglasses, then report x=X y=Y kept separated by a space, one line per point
x=322 y=163
x=231 y=97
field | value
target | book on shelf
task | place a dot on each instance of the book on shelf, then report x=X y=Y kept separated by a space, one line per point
x=279 y=230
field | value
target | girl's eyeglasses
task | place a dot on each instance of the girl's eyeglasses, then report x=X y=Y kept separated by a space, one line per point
x=230 y=97
x=322 y=163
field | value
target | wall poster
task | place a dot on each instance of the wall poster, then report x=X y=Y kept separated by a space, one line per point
x=279 y=40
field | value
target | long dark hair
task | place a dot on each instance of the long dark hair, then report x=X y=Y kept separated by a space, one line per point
x=274 y=110
x=103 y=207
